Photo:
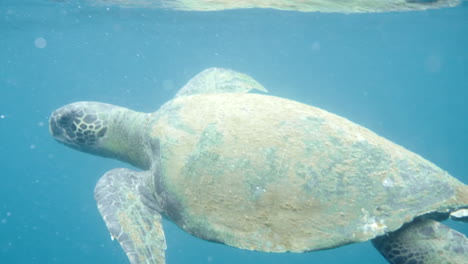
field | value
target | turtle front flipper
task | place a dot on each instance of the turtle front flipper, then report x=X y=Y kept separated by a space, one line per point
x=137 y=227
x=423 y=242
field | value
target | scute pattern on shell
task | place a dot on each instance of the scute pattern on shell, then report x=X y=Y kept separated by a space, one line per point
x=266 y=173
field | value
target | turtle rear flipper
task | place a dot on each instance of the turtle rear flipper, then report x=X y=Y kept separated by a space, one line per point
x=137 y=227
x=423 y=242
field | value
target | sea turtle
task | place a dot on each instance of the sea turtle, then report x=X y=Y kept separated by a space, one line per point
x=262 y=173
x=340 y=6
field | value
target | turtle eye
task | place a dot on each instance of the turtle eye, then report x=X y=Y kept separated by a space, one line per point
x=65 y=121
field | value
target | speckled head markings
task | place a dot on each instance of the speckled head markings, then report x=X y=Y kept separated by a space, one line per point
x=101 y=129
x=79 y=124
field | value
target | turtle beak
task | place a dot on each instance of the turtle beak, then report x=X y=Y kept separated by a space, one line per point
x=56 y=126
x=54 y=130
x=61 y=124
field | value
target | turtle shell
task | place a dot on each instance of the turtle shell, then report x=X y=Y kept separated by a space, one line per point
x=270 y=174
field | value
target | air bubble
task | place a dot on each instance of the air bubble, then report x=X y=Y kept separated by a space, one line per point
x=40 y=42
x=315 y=46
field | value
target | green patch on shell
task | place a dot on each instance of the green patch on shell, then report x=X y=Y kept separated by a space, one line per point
x=308 y=174
x=274 y=170
x=201 y=161
x=175 y=121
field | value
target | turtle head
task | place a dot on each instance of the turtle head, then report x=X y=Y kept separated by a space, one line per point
x=101 y=129
x=79 y=125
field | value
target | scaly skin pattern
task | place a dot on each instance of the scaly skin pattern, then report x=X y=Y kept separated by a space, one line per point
x=423 y=242
x=104 y=130
x=265 y=173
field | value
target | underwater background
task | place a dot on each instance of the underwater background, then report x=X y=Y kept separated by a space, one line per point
x=403 y=75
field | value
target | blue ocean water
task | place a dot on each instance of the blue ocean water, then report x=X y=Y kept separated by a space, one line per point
x=402 y=75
